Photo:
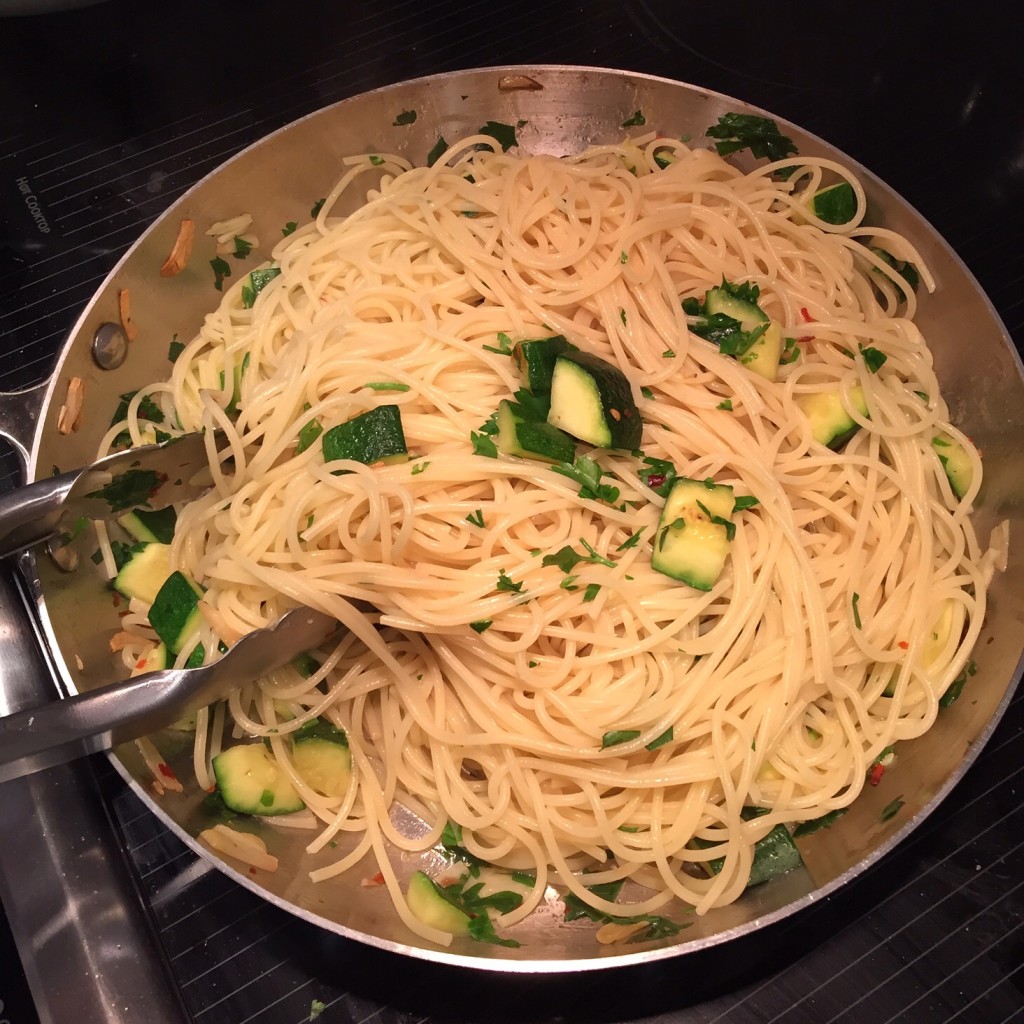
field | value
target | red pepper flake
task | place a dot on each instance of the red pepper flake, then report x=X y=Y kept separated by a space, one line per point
x=804 y=338
x=373 y=881
x=876 y=773
x=655 y=480
x=903 y=644
x=117 y=600
x=166 y=770
x=807 y=316
x=140 y=663
x=252 y=871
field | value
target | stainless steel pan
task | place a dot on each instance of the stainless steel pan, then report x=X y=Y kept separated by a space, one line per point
x=564 y=109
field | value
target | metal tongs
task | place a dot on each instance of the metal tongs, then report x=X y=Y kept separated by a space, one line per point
x=64 y=729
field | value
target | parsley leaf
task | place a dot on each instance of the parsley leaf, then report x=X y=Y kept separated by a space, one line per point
x=386 y=385
x=725 y=405
x=874 y=358
x=483 y=445
x=659 y=741
x=593 y=589
x=221 y=269
x=503 y=134
x=175 y=349
x=289 y=228
x=856 y=611
x=587 y=473
x=658 y=927
x=308 y=434
x=317 y=207
x=744 y=501
x=617 y=736
x=504 y=345
x=635 y=120
x=242 y=248
x=631 y=541
x=806 y=828
x=646 y=392
x=406 y=117
x=506 y=585
x=437 y=151
x=451 y=843
x=658 y=475
x=956 y=687
x=129 y=489
x=481 y=625
x=148 y=409
x=376 y=160
x=748 y=131
x=418 y=468
x=476 y=518
x=257 y=281
x=892 y=809
x=567 y=559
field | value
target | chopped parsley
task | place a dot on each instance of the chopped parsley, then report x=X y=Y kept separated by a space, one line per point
x=475 y=905
x=646 y=392
x=308 y=434
x=617 y=736
x=504 y=345
x=503 y=134
x=892 y=809
x=569 y=583
x=437 y=152
x=668 y=354
x=481 y=625
x=658 y=927
x=476 y=518
x=506 y=585
x=483 y=445
x=406 y=117
x=418 y=468
x=567 y=558
x=587 y=473
x=806 y=828
x=659 y=741
x=148 y=409
x=316 y=1007
x=855 y=601
x=956 y=687
x=658 y=475
x=874 y=358
x=790 y=352
x=748 y=131
x=256 y=282
x=623 y=256
x=242 y=248
x=317 y=207
x=289 y=228
x=632 y=540
x=386 y=385
x=635 y=120
x=622 y=316
x=376 y=160
x=593 y=589
x=175 y=349
x=906 y=270
x=744 y=501
x=129 y=489
x=725 y=405
x=221 y=269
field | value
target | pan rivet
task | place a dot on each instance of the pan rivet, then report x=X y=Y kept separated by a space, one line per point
x=64 y=556
x=109 y=346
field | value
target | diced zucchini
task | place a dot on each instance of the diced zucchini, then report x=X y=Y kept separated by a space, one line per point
x=831 y=424
x=694 y=533
x=144 y=573
x=372 y=437
x=236 y=391
x=934 y=643
x=956 y=462
x=428 y=903
x=175 y=614
x=591 y=399
x=721 y=300
x=325 y=764
x=305 y=664
x=250 y=781
x=519 y=435
x=836 y=204
x=535 y=360
x=157 y=526
x=763 y=356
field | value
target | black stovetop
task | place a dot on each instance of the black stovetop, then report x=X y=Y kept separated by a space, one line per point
x=107 y=114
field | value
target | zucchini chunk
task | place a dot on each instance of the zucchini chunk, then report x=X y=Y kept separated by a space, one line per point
x=372 y=437
x=250 y=781
x=831 y=424
x=592 y=400
x=836 y=204
x=764 y=355
x=535 y=360
x=175 y=614
x=144 y=573
x=151 y=527
x=326 y=764
x=428 y=903
x=530 y=439
x=694 y=533
x=723 y=300
x=956 y=462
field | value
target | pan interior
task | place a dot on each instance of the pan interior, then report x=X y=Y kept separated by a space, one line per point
x=563 y=110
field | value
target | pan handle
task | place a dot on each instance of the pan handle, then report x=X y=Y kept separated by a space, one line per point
x=19 y=416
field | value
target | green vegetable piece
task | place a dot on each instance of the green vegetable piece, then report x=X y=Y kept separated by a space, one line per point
x=592 y=400
x=748 y=131
x=836 y=204
x=617 y=736
x=373 y=437
x=503 y=134
x=256 y=282
x=406 y=117
x=519 y=435
x=535 y=360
